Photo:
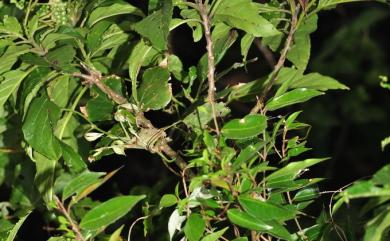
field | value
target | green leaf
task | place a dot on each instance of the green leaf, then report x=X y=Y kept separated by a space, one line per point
x=266 y=210
x=245 y=220
x=72 y=159
x=306 y=194
x=382 y=177
x=9 y=58
x=243 y=14
x=241 y=239
x=15 y=229
x=141 y=55
x=61 y=56
x=249 y=126
x=377 y=228
x=317 y=82
x=38 y=127
x=194 y=227
x=299 y=54
x=108 y=212
x=168 y=200
x=215 y=236
x=246 y=43
x=293 y=169
x=115 y=9
x=364 y=189
x=116 y=236
x=292 y=97
x=11 y=25
x=44 y=176
x=155 y=92
x=11 y=81
x=203 y=114
x=80 y=183
x=331 y=3
x=248 y=153
x=155 y=27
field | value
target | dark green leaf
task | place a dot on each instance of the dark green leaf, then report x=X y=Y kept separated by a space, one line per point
x=155 y=27
x=108 y=212
x=38 y=127
x=249 y=126
x=155 y=91
x=80 y=183
x=72 y=159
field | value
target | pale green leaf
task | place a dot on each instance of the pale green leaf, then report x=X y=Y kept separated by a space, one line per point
x=215 y=236
x=249 y=126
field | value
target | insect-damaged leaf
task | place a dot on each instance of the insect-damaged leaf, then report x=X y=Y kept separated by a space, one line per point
x=155 y=92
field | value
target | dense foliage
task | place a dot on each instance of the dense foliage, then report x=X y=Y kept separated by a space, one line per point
x=84 y=82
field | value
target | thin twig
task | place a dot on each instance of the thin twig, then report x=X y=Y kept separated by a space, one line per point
x=210 y=57
x=280 y=64
x=74 y=225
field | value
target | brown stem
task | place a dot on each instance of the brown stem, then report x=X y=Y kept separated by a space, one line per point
x=73 y=224
x=287 y=45
x=210 y=57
